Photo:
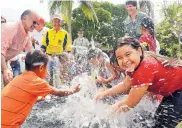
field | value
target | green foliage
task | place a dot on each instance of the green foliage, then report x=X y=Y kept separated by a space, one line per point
x=168 y=31
x=103 y=15
x=109 y=28
x=49 y=25
x=65 y=8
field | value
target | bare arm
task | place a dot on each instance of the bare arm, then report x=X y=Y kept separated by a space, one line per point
x=65 y=92
x=119 y=88
x=111 y=69
x=61 y=92
x=138 y=93
x=7 y=74
x=134 y=97
x=3 y=63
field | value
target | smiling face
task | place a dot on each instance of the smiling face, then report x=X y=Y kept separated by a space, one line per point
x=57 y=23
x=131 y=9
x=80 y=34
x=128 y=58
x=30 y=21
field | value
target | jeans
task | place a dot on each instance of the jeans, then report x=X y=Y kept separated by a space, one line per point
x=15 y=65
x=54 y=71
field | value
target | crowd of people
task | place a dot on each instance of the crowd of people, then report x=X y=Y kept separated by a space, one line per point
x=133 y=67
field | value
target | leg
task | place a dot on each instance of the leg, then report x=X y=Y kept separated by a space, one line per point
x=50 y=71
x=57 y=71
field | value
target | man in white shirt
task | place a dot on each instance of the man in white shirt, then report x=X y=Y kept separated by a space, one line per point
x=81 y=43
x=38 y=34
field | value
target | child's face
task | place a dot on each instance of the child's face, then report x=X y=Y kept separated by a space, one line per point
x=128 y=57
x=142 y=30
x=101 y=59
x=94 y=61
x=116 y=66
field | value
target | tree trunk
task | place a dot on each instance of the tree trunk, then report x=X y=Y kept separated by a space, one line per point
x=148 y=7
x=69 y=23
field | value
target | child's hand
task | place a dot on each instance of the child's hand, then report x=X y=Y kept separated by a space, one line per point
x=118 y=108
x=100 y=79
x=40 y=98
x=76 y=88
x=99 y=96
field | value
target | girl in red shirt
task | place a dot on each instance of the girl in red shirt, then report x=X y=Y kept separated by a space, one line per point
x=147 y=30
x=148 y=72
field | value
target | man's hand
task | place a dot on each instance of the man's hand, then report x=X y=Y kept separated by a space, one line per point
x=8 y=76
x=35 y=41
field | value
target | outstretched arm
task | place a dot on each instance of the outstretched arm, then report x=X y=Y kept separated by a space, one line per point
x=119 y=88
x=112 y=77
x=134 y=97
x=65 y=92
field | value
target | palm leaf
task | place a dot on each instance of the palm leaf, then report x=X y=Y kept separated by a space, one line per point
x=54 y=7
x=88 y=10
x=66 y=10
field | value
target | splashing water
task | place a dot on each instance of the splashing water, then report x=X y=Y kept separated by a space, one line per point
x=80 y=111
x=92 y=42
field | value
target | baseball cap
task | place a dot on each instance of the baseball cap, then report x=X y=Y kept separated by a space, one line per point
x=57 y=16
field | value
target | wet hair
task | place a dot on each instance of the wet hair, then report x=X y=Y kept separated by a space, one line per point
x=132 y=2
x=113 y=60
x=34 y=59
x=80 y=31
x=163 y=52
x=94 y=52
x=25 y=13
x=127 y=40
x=63 y=57
x=148 y=24
x=166 y=61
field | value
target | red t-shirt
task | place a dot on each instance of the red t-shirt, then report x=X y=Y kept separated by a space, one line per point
x=149 y=40
x=162 y=80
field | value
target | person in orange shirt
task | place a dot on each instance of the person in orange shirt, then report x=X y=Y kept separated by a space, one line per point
x=19 y=96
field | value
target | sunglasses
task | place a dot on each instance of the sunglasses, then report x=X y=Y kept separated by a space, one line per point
x=35 y=23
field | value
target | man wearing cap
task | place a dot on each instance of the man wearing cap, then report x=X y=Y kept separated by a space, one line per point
x=133 y=21
x=38 y=34
x=55 y=41
x=14 y=39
